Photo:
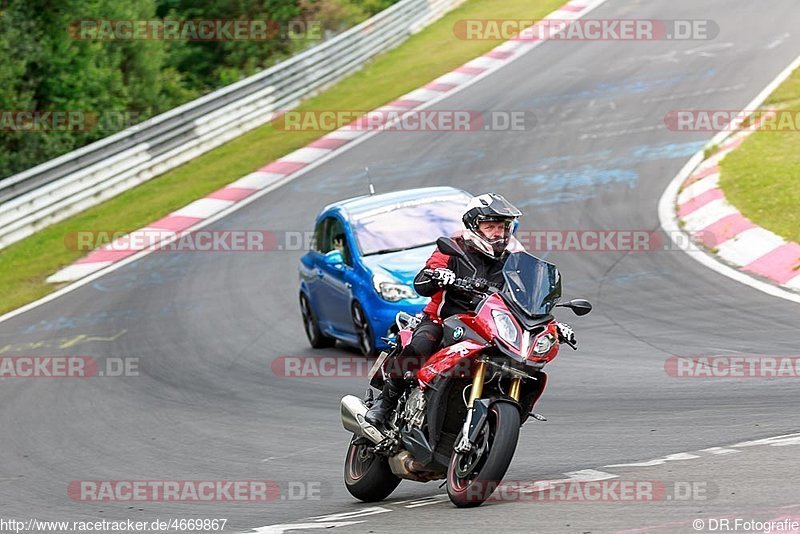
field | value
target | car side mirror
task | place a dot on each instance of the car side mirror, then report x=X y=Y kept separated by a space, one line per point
x=334 y=258
x=578 y=306
x=449 y=247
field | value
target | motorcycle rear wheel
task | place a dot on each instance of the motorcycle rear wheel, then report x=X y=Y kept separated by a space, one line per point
x=473 y=477
x=367 y=475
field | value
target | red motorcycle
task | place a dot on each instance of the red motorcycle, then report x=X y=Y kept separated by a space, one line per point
x=460 y=415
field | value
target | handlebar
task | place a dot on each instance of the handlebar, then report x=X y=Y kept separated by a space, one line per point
x=477 y=286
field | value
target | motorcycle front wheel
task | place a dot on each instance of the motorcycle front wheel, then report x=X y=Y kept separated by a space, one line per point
x=473 y=477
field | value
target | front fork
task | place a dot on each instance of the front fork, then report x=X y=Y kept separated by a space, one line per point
x=475 y=393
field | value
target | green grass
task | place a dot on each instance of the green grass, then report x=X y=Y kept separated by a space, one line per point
x=25 y=265
x=762 y=177
x=710 y=151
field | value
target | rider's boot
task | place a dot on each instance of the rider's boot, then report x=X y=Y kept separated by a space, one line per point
x=386 y=402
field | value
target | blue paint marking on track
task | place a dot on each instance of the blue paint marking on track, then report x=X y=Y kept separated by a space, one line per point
x=629 y=87
x=159 y=270
x=559 y=187
x=95 y=318
x=668 y=151
x=597 y=171
x=384 y=172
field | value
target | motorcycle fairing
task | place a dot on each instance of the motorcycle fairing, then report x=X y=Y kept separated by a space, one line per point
x=447 y=359
x=467 y=324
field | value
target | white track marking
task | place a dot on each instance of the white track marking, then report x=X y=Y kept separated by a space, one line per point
x=775 y=441
x=435 y=499
x=779 y=41
x=371 y=510
x=681 y=456
x=286 y=527
x=584 y=475
x=720 y=450
x=709 y=49
x=668 y=217
x=590 y=475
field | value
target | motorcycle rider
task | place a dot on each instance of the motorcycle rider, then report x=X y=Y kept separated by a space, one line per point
x=487 y=239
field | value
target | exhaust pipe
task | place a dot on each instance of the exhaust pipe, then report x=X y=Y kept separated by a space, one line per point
x=353 y=411
x=405 y=466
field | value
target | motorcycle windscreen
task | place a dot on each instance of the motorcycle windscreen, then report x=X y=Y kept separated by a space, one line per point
x=533 y=284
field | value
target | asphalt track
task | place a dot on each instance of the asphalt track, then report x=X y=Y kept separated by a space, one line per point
x=206 y=326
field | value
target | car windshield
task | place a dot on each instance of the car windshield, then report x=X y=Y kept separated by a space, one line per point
x=533 y=284
x=409 y=225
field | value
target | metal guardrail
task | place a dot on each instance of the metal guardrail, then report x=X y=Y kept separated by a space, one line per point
x=54 y=190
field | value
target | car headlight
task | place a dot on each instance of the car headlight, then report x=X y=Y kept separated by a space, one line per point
x=544 y=343
x=390 y=289
x=506 y=328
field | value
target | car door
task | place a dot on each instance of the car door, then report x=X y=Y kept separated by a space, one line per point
x=311 y=274
x=335 y=287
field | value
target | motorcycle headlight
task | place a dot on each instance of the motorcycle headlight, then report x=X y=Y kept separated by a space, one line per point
x=506 y=328
x=390 y=289
x=544 y=343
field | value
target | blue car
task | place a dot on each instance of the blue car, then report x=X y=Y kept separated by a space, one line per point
x=366 y=252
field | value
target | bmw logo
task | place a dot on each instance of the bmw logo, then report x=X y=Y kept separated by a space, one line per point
x=458 y=332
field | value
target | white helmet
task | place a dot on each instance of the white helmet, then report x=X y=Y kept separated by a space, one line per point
x=489 y=207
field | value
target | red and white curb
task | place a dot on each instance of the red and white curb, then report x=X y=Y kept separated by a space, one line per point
x=714 y=222
x=709 y=213
x=292 y=165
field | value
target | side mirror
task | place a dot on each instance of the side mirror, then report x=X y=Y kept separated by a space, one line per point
x=578 y=306
x=449 y=247
x=334 y=257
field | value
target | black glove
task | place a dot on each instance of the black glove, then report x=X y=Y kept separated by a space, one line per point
x=443 y=277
